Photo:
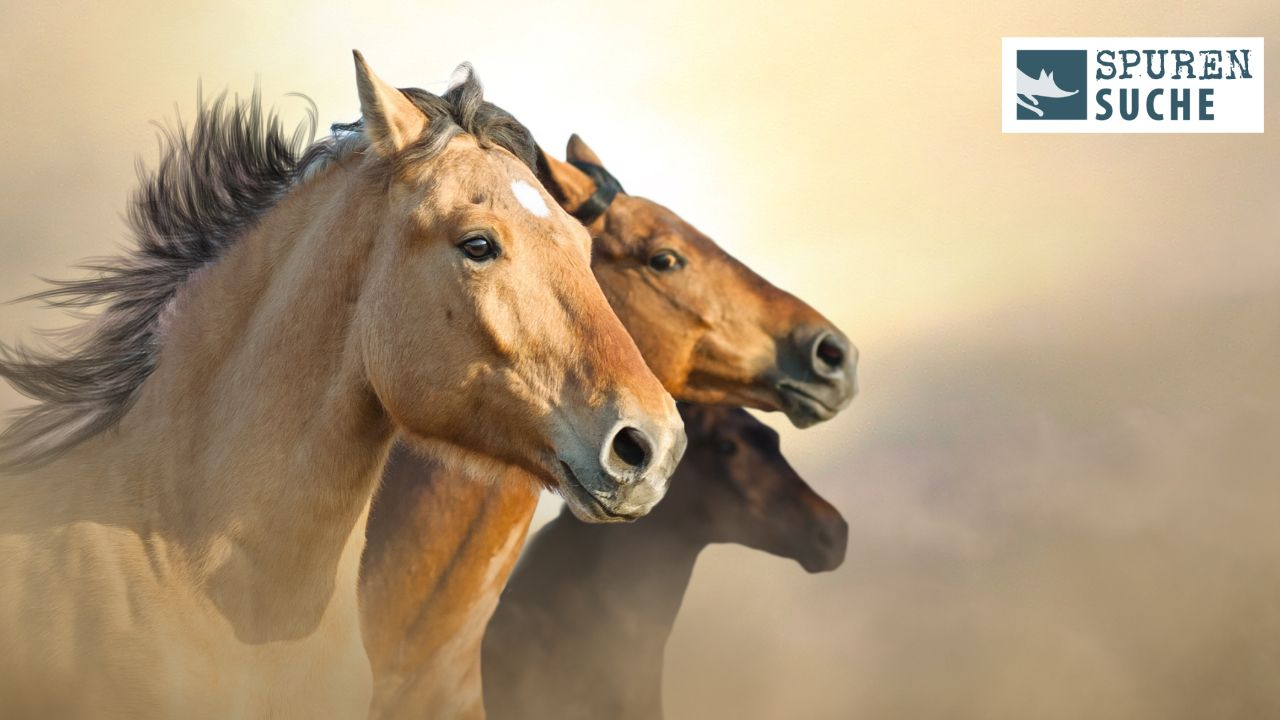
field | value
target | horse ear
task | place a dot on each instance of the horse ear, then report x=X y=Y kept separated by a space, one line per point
x=390 y=121
x=567 y=184
x=577 y=151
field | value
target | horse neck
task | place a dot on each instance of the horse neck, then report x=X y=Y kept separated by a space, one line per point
x=641 y=569
x=615 y=589
x=461 y=537
x=256 y=442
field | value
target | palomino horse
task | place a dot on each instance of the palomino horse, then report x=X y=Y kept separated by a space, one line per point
x=441 y=546
x=583 y=624
x=184 y=533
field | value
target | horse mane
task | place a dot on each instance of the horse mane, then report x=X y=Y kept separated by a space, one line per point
x=212 y=184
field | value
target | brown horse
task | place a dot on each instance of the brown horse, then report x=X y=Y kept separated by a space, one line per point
x=442 y=545
x=183 y=532
x=583 y=624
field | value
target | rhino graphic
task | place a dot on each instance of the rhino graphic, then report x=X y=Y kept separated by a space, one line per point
x=1043 y=86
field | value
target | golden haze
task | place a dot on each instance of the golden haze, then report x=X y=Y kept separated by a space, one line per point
x=1061 y=474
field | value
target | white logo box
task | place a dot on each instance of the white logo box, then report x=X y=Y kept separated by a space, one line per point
x=1238 y=105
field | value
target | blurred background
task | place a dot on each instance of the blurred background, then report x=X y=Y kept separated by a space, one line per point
x=1063 y=473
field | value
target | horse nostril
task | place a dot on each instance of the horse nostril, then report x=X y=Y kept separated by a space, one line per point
x=834 y=536
x=630 y=447
x=830 y=352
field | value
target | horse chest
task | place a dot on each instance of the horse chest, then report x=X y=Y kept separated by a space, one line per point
x=90 y=606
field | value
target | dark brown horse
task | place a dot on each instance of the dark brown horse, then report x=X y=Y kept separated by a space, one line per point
x=442 y=544
x=583 y=623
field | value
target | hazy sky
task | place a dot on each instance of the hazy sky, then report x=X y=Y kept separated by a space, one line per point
x=1060 y=476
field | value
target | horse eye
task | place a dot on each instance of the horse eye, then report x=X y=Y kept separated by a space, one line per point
x=478 y=247
x=666 y=261
x=726 y=447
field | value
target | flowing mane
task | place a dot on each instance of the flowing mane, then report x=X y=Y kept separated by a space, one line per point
x=212 y=184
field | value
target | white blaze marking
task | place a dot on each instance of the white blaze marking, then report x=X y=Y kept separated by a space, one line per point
x=530 y=198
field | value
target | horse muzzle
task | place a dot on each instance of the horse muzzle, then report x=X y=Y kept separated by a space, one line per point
x=818 y=375
x=630 y=474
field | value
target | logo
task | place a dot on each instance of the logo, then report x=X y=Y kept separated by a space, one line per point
x=1052 y=84
x=1132 y=85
